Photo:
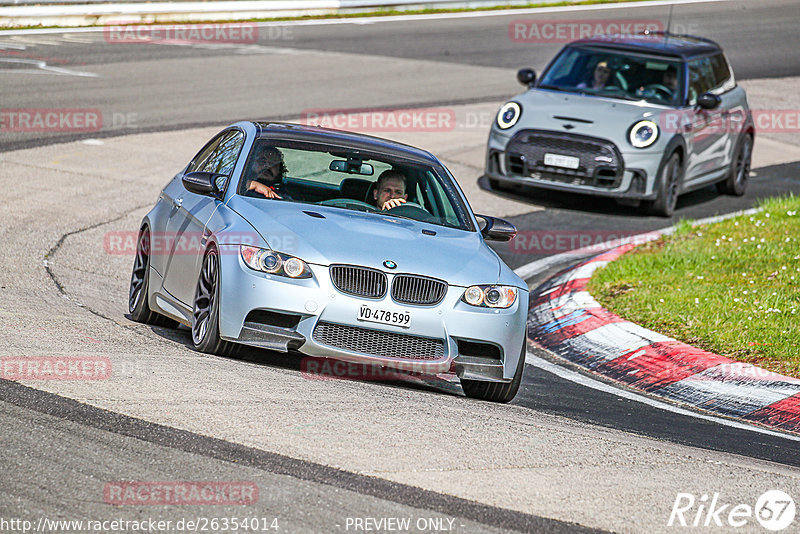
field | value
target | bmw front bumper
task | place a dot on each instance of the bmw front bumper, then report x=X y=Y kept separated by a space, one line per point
x=312 y=316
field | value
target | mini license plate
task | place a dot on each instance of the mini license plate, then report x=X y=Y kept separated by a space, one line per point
x=559 y=160
x=378 y=315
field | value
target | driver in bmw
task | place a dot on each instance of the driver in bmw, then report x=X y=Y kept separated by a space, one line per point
x=268 y=171
x=390 y=190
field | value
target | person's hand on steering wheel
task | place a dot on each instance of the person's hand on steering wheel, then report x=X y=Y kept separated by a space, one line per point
x=393 y=203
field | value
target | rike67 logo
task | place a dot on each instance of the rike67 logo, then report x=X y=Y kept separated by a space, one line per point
x=774 y=510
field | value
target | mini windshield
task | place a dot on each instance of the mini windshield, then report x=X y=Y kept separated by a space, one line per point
x=615 y=74
x=354 y=180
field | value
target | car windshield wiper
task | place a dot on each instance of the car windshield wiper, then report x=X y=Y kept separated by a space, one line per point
x=559 y=88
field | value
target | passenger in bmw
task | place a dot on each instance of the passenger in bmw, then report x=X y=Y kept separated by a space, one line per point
x=267 y=173
x=390 y=190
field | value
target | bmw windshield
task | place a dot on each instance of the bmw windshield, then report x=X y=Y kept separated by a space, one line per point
x=352 y=179
x=615 y=74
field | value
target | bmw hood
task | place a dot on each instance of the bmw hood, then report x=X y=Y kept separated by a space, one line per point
x=325 y=235
x=586 y=115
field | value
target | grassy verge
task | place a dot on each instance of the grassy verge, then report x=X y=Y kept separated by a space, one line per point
x=375 y=13
x=732 y=288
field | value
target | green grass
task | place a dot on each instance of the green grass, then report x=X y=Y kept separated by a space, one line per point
x=732 y=288
x=375 y=13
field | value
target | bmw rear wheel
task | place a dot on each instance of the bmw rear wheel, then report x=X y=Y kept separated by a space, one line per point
x=205 y=312
x=140 y=286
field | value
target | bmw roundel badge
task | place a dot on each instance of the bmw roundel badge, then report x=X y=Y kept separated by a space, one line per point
x=389 y=264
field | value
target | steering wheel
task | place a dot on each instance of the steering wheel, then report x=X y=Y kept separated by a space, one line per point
x=661 y=91
x=412 y=210
x=348 y=203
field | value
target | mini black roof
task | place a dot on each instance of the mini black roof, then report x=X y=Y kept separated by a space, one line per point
x=318 y=134
x=658 y=43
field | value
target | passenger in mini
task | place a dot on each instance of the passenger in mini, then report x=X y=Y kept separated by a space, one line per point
x=390 y=190
x=267 y=172
x=600 y=76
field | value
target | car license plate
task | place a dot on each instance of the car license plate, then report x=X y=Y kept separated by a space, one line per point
x=559 y=160
x=377 y=315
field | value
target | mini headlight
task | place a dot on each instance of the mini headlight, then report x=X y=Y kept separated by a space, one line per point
x=643 y=134
x=274 y=262
x=491 y=296
x=508 y=115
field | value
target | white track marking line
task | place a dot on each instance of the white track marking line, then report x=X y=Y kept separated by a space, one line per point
x=43 y=68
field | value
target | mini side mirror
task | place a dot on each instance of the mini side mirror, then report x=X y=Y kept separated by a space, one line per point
x=526 y=77
x=709 y=101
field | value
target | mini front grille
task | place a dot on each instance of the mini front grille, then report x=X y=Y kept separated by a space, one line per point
x=359 y=281
x=600 y=162
x=421 y=290
x=378 y=343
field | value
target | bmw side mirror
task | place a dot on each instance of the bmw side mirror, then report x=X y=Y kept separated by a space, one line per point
x=495 y=229
x=709 y=101
x=203 y=183
x=526 y=77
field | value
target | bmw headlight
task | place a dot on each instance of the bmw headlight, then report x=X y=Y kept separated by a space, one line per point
x=490 y=296
x=508 y=115
x=272 y=262
x=643 y=134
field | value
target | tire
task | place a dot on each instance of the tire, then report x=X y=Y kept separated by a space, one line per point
x=140 y=286
x=497 y=391
x=669 y=181
x=738 y=177
x=205 y=310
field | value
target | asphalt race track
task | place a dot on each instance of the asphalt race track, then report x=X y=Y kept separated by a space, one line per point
x=568 y=454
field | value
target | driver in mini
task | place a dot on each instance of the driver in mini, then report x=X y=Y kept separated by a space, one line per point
x=390 y=190
x=670 y=78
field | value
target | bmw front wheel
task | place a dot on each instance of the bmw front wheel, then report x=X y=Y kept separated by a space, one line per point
x=497 y=391
x=205 y=312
